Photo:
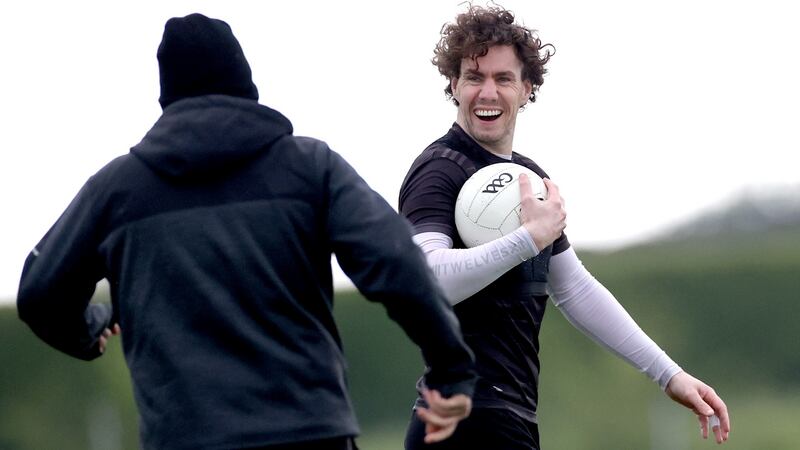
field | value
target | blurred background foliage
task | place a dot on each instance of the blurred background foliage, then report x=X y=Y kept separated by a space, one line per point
x=724 y=306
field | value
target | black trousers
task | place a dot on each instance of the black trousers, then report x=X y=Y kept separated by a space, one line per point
x=343 y=443
x=484 y=429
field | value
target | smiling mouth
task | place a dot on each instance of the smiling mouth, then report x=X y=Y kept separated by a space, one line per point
x=488 y=114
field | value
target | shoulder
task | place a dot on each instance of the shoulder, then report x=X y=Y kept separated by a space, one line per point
x=442 y=163
x=446 y=157
x=307 y=142
x=530 y=164
x=308 y=148
x=304 y=146
x=308 y=153
x=120 y=172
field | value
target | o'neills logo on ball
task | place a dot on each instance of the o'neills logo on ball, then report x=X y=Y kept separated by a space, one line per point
x=501 y=180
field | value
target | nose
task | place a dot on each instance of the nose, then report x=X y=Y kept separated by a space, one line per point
x=488 y=90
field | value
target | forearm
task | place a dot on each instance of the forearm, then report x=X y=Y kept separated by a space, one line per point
x=60 y=314
x=373 y=246
x=591 y=308
x=464 y=272
x=415 y=302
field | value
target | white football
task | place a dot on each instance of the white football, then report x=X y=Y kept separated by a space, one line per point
x=488 y=204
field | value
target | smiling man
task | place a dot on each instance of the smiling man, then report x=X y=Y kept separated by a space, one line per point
x=489 y=94
x=494 y=68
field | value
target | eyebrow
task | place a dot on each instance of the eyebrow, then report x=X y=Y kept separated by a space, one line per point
x=507 y=73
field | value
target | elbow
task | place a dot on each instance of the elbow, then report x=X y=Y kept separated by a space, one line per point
x=29 y=294
x=453 y=295
x=31 y=301
x=26 y=303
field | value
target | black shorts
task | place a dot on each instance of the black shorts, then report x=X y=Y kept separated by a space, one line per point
x=484 y=429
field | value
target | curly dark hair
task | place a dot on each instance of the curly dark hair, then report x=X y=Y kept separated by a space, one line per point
x=478 y=29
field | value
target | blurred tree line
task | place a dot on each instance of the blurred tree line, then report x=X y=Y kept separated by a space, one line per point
x=723 y=307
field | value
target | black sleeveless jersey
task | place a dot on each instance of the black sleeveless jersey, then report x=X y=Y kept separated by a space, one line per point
x=501 y=322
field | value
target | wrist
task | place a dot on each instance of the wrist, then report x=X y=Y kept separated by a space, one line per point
x=527 y=238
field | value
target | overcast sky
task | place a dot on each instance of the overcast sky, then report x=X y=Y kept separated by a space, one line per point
x=652 y=111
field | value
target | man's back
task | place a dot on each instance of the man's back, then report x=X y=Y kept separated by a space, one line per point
x=221 y=276
x=228 y=271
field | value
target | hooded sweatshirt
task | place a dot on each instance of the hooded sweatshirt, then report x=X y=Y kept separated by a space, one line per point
x=215 y=233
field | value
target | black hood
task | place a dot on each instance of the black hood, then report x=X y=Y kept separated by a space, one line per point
x=209 y=135
x=201 y=56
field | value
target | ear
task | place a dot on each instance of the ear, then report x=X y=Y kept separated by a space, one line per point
x=453 y=86
x=527 y=88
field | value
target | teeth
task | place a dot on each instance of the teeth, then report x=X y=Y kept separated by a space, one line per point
x=487 y=112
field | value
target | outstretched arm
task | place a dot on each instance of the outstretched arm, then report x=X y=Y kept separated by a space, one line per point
x=589 y=306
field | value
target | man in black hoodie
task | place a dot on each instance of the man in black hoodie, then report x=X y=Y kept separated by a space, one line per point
x=215 y=233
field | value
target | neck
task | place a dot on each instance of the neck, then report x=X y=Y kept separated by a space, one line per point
x=500 y=148
x=507 y=156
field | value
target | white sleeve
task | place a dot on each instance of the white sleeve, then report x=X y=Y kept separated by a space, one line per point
x=591 y=308
x=462 y=272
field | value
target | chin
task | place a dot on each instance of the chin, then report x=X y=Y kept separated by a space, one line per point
x=488 y=140
x=493 y=134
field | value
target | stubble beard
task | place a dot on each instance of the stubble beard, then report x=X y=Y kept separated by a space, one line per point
x=497 y=140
